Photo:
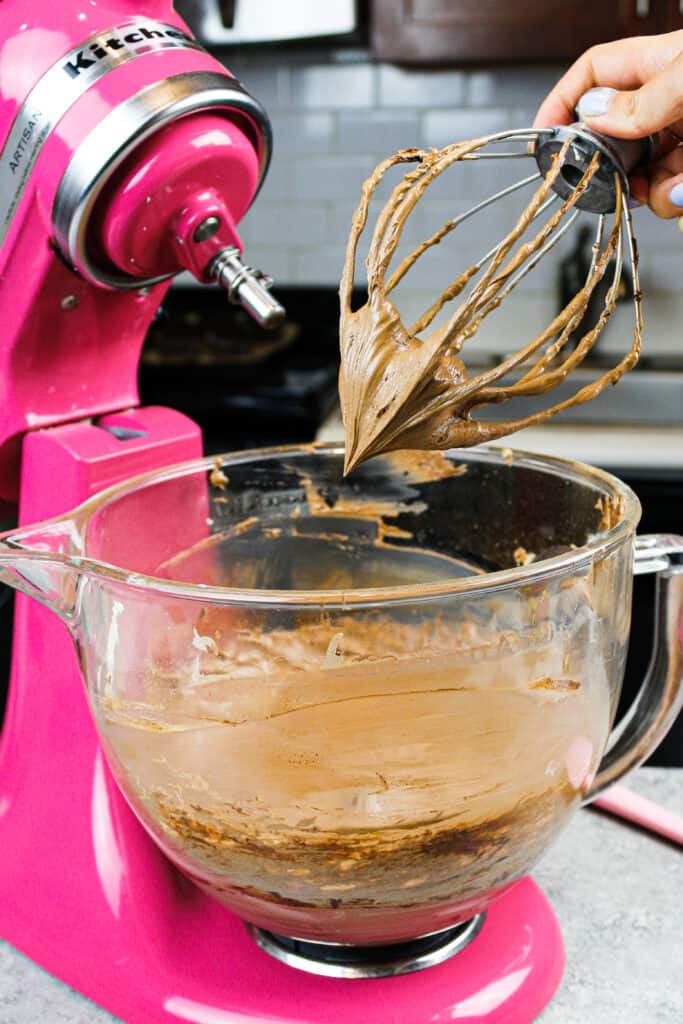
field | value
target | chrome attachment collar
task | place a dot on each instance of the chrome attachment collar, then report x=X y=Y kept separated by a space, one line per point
x=246 y=287
x=116 y=136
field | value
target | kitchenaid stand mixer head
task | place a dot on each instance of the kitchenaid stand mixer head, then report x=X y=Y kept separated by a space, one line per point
x=408 y=387
x=128 y=155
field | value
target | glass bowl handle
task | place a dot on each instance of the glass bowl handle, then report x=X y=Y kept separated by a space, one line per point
x=660 y=697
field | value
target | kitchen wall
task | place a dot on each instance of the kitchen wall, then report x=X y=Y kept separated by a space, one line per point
x=335 y=114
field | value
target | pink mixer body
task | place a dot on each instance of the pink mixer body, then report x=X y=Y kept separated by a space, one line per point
x=100 y=104
x=69 y=350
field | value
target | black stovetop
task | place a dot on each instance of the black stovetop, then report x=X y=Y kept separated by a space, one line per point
x=246 y=387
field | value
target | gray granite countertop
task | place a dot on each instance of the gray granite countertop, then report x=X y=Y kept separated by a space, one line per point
x=616 y=890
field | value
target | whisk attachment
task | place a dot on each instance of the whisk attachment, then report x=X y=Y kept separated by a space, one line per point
x=408 y=387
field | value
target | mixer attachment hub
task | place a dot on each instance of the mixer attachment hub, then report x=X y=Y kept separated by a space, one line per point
x=616 y=157
x=335 y=960
x=247 y=287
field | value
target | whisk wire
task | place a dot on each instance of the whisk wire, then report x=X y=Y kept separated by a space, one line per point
x=485 y=295
x=540 y=383
x=487 y=286
x=449 y=226
x=555 y=348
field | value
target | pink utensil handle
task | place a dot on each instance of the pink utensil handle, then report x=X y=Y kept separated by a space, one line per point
x=623 y=802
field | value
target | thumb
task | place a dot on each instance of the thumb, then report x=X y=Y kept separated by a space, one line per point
x=633 y=114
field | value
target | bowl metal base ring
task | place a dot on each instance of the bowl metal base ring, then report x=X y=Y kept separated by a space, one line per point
x=334 y=960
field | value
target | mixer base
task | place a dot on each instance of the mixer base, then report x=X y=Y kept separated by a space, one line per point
x=508 y=972
x=333 y=960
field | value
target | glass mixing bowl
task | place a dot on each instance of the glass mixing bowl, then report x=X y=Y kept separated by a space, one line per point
x=357 y=710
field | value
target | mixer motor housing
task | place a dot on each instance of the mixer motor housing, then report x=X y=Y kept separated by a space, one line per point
x=129 y=154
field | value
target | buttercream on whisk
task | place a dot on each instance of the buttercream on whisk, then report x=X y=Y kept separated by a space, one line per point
x=403 y=388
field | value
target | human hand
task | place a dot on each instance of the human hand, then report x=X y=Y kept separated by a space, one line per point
x=637 y=89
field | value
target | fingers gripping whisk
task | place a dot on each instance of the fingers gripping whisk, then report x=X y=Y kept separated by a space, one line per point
x=408 y=387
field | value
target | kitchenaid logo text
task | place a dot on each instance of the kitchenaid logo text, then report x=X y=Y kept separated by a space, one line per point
x=58 y=89
x=23 y=145
x=138 y=38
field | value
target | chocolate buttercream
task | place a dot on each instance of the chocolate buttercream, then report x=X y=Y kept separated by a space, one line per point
x=402 y=388
x=363 y=763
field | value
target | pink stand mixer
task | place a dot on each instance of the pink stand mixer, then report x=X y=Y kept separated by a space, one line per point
x=130 y=155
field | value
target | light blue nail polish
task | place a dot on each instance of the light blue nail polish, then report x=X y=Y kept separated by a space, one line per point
x=634 y=204
x=676 y=194
x=595 y=102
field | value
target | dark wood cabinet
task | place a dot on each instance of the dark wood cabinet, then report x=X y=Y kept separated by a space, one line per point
x=474 y=31
x=671 y=15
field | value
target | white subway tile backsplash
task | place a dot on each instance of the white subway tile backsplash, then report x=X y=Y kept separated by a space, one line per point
x=432 y=271
x=441 y=127
x=478 y=178
x=412 y=302
x=278 y=181
x=661 y=269
x=286 y=224
x=301 y=132
x=511 y=87
x=403 y=87
x=269 y=84
x=653 y=232
x=472 y=237
x=378 y=133
x=336 y=87
x=341 y=214
x=331 y=178
x=274 y=260
x=348 y=55
x=321 y=264
x=525 y=315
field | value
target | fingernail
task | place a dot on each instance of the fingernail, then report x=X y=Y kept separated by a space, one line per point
x=676 y=194
x=595 y=102
x=634 y=204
